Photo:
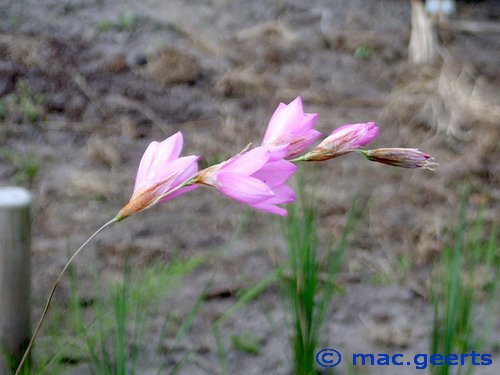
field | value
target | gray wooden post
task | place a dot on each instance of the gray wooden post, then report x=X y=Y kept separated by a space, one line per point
x=15 y=254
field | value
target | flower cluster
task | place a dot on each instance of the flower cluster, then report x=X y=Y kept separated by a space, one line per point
x=257 y=177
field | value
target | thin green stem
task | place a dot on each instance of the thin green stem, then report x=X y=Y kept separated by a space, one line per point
x=180 y=186
x=310 y=157
x=299 y=158
x=51 y=295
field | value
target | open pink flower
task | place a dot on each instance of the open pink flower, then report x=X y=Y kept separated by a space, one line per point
x=342 y=140
x=290 y=130
x=401 y=157
x=254 y=178
x=160 y=172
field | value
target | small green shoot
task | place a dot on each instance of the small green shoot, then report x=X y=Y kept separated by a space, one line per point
x=104 y=26
x=363 y=52
x=246 y=342
x=221 y=351
x=404 y=263
x=3 y=109
x=15 y=20
x=24 y=103
x=125 y=22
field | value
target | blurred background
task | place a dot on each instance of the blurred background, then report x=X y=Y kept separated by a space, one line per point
x=86 y=85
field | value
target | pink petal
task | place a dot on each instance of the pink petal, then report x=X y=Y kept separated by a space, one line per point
x=372 y=131
x=167 y=150
x=309 y=120
x=242 y=188
x=189 y=167
x=182 y=168
x=284 y=194
x=249 y=162
x=344 y=129
x=291 y=126
x=179 y=192
x=145 y=164
x=356 y=134
x=278 y=152
x=270 y=208
x=274 y=124
x=275 y=173
x=302 y=142
x=285 y=120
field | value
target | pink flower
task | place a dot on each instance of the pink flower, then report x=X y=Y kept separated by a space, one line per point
x=342 y=140
x=160 y=174
x=401 y=157
x=254 y=178
x=290 y=130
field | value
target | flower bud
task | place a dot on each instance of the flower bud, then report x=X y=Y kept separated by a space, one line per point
x=345 y=139
x=401 y=157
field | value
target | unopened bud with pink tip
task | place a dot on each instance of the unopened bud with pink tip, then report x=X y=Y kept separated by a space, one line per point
x=401 y=157
x=345 y=139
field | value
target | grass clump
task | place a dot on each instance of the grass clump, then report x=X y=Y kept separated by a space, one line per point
x=109 y=332
x=26 y=167
x=465 y=274
x=306 y=293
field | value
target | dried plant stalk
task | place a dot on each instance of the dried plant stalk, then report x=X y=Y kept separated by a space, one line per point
x=423 y=39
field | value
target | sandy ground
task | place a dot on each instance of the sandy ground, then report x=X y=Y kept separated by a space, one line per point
x=88 y=84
